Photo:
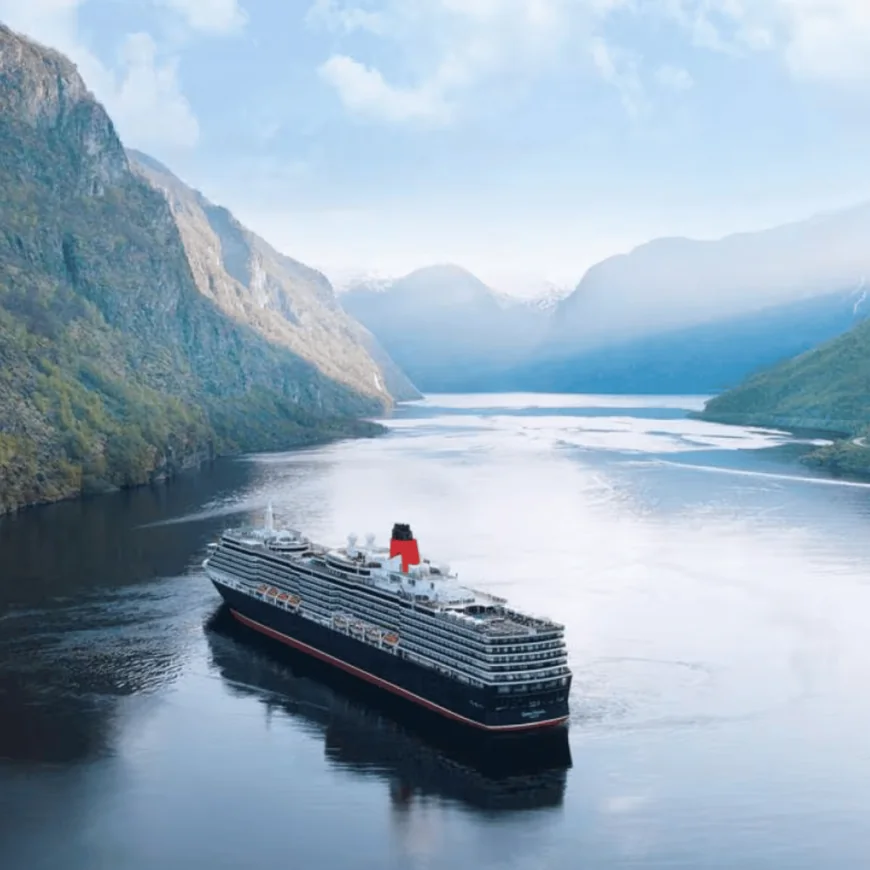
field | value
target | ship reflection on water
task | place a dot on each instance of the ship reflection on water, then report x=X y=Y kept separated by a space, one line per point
x=365 y=732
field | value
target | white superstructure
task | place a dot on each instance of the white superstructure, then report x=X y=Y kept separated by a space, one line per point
x=422 y=613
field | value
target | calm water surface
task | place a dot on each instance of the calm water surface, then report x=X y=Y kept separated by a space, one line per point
x=717 y=603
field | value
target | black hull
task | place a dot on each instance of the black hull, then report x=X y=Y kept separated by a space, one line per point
x=376 y=733
x=481 y=709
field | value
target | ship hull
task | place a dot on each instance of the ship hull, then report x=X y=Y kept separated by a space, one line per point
x=481 y=709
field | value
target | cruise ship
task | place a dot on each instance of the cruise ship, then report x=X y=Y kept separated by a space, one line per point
x=361 y=732
x=398 y=621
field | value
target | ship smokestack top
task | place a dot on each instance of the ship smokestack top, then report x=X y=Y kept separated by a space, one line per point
x=403 y=544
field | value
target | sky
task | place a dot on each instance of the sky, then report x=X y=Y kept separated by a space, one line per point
x=522 y=139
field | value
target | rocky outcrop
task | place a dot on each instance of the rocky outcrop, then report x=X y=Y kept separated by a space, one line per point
x=114 y=367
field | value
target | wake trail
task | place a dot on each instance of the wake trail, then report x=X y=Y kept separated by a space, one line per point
x=767 y=475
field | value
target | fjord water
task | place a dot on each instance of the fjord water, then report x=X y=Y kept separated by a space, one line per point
x=716 y=597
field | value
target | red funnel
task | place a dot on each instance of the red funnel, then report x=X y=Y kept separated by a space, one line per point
x=403 y=544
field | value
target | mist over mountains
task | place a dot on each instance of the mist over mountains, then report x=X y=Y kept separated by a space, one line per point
x=673 y=315
x=446 y=329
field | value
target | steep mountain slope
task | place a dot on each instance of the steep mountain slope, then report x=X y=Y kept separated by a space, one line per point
x=288 y=302
x=671 y=284
x=113 y=366
x=827 y=388
x=445 y=328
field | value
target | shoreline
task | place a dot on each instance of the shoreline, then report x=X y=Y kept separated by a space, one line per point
x=194 y=463
x=846 y=457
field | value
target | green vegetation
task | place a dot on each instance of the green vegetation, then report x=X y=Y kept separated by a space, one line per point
x=114 y=369
x=827 y=389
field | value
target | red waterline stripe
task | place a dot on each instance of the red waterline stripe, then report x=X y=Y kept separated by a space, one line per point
x=392 y=687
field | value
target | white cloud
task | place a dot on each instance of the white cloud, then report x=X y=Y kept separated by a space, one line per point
x=363 y=90
x=827 y=40
x=139 y=87
x=621 y=69
x=454 y=44
x=345 y=19
x=823 y=40
x=674 y=77
x=146 y=101
x=209 y=16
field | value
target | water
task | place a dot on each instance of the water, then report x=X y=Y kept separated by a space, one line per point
x=715 y=593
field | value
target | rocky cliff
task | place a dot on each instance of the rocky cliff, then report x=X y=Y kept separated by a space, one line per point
x=285 y=300
x=114 y=366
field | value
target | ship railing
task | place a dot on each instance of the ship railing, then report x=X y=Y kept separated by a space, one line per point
x=519 y=624
x=247 y=589
x=464 y=664
x=485 y=660
x=486 y=679
x=529 y=627
x=460 y=644
x=357 y=628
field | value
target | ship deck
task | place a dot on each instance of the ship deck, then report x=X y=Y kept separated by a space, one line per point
x=431 y=588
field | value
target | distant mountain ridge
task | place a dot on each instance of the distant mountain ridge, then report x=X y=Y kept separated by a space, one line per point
x=445 y=328
x=115 y=367
x=703 y=358
x=623 y=336
x=672 y=283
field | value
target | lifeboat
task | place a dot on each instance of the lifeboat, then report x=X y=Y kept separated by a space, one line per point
x=283 y=596
x=262 y=588
x=391 y=638
x=294 y=600
x=340 y=621
x=272 y=592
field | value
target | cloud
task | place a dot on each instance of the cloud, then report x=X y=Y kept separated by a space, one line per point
x=363 y=90
x=454 y=45
x=139 y=86
x=146 y=101
x=828 y=40
x=345 y=19
x=674 y=78
x=621 y=69
x=209 y=16
x=820 y=40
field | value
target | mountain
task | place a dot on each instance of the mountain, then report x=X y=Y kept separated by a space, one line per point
x=673 y=283
x=826 y=388
x=288 y=302
x=702 y=358
x=452 y=333
x=115 y=367
x=445 y=328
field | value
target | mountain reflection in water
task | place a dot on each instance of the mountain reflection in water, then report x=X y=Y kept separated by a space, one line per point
x=369 y=734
